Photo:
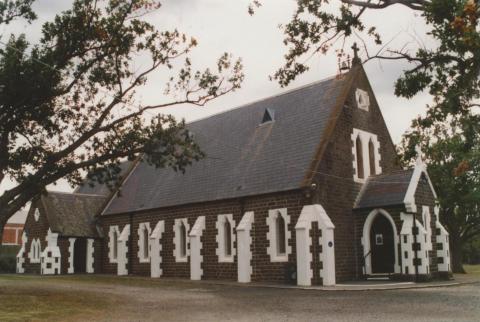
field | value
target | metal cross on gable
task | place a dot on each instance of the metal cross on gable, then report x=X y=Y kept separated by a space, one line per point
x=356 y=59
x=355 y=49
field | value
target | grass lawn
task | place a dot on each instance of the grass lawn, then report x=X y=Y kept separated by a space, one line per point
x=472 y=269
x=24 y=299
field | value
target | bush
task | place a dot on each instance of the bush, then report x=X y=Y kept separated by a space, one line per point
x=8 y=259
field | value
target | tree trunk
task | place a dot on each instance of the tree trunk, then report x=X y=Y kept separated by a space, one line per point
x=456 y=253
x=2 y=227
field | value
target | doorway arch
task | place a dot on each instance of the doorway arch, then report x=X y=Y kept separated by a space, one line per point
x=379 y=219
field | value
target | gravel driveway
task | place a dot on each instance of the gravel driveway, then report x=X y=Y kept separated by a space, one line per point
x=144 y=300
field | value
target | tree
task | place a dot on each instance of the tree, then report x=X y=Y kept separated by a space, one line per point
x=452 y=151
x=69 y=103
x=449 y=70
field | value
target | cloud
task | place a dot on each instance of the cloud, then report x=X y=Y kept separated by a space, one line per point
x=221 y=26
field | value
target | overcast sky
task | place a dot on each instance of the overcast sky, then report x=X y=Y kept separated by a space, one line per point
x=225 y=26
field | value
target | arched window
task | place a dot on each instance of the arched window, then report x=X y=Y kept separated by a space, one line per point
x=227 y=229
x=280 y=227
x=146 y=248
x=371 y=155
x=35 y=250
x=37 y=255
x=360 y=172
x=115 y=241
x=183 y=240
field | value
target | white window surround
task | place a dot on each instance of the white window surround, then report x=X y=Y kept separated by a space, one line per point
x=272 y=235
x=365 y=138
x=363 y=99
x=176 y=240
x=35 y=251
x=141 y=241
x=112 y=230
x=220 y=251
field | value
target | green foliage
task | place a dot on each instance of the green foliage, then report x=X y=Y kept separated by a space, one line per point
x=448 y=71
x=9 y=10
x=69 y=102
x=452 y=152
x=471 y=253
x=8 y=259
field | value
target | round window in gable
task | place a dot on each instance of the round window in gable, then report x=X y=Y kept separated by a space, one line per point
x=36 y=214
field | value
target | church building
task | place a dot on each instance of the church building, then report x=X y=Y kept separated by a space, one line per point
x=304 y=187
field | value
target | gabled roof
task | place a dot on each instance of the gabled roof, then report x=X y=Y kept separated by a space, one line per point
x=243 y=156
x=72 y=214
x=94 y=188
x=385 y=190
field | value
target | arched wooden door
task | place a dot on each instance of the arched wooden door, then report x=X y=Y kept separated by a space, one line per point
x=80 y=255
x=382 y=245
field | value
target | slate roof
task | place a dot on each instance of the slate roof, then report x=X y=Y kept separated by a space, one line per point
x=72 y=214
x=93 y=188
x=384 y=190
x=243 y=157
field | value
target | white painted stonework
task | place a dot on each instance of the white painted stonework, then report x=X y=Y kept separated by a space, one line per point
x=156 y=249
x=51 y=256
x=422 y=254
x=21 y=254
x=122 y=248
x=419 y=169
x=35 y=251
x=362 y=98
x=309 y=214
x=366 y=239
x=90 y=256
x=444 y=253
x=71 y=247
x=176 y=240
x=427 y=220
x=141 y=242
x=272 y=235
x=442 y=239
x=220 y=238
x=112 y=232
x=365 y=138
x=196 y=258
x=408 y=240
x=244 y=242
x=36 y=214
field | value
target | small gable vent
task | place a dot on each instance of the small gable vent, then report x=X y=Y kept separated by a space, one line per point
x=268 y=116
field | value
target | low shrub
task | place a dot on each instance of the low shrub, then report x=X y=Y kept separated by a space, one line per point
x=8 y=259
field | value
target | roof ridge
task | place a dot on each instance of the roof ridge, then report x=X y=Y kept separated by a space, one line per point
x=267 y=98
x=74 y=193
